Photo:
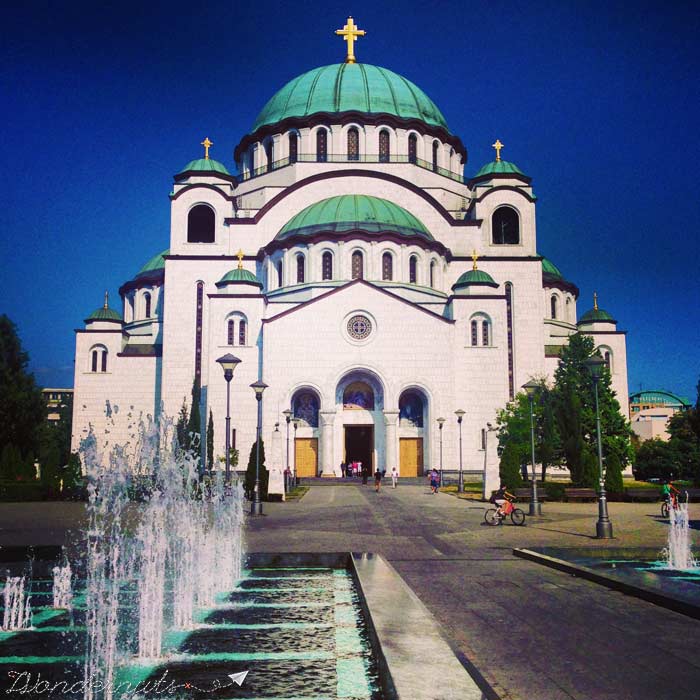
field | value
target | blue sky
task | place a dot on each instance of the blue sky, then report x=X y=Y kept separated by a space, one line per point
x=597 y=101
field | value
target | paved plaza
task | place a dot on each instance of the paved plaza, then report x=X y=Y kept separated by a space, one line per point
x=533 y=633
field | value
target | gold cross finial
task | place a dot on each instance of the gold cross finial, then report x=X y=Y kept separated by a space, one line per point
x=475 y=257
x=595 y=300
x=106 y=300
x=498 y=146
x=207 y=145
x=350 y=32
x=239 y=255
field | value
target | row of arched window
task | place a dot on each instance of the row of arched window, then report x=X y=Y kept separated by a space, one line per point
x=98 y=358
x=480 y=332
x=556 y=313
x=237 y=330
x=357 y=268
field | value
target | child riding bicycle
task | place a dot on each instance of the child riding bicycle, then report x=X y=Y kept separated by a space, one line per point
x=502 y=500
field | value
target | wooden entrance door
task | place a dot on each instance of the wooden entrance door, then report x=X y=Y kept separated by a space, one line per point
x=411 y=456
x=306 y=456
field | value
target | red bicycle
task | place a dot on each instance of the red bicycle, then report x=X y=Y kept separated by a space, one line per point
x=496 y=516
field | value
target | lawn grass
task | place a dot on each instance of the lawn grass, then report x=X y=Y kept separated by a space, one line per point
x=296 y=493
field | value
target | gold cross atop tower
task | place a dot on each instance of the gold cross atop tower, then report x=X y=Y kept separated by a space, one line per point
x=350 y=32
x=595 y=300
x=498 y=146
x=475 y=257
x=239 y=255
x=207 y=145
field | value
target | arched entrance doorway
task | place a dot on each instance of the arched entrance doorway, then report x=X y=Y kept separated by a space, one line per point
x=413 y=416
x=360 y=399
x=305 y=406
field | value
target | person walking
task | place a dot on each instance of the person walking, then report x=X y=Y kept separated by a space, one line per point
x=342 y=469
x=434 y=481
x=377 y=480
x=394 y=477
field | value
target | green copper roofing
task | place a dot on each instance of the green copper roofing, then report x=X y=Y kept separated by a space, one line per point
x=551 y=269
x=206 y=165
x=352 y=212
x=500 y=167
x=345 y=87
x=239 y=275
x=659 y=396
x=475 y=278
x=104 y=314
x=595 y=315
x=157 y=262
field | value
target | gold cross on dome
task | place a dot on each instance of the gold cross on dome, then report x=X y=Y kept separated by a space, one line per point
x=207 y=145
x=350 y=32
x=239 y=255
x=595 y=300
x=498 y=146
x=475 y=257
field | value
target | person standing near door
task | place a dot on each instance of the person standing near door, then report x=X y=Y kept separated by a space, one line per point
x=394 y=477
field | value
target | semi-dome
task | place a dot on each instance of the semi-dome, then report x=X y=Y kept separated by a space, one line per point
x=474 y=278
x=157 y=262
x=239 y=276
x=596 y=315
x=349 y=213
x=104 y=313
x=350 y=87
x=206 y=165
x=499 y=167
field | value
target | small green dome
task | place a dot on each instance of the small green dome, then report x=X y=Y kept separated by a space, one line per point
x=549 y=268
x=207 y=165
x=157 y=262
x=596 y=316
x=239 y=276
x=350 y=87
x=500 y=167
x=474 y=278
x=104 y=313
x=354 y=212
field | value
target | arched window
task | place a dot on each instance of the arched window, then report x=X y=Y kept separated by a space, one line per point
x=387 y=267
x=327 y=266
x=505 y=226
x=553 y=306
x=147 y=304
x=384 y=150
x=242 y=332
x=411 y=409
x=279 y=273
x=475 y=333
x=412 y=148
x=270 y=154
x=300 y=268
x=432 y=273
x=321 y=146
x=201 y=222
x=305 y=405
x=436 y=145
x=293 y=147
x=608 y=359
x=98 y=359
x=485 y=333
x=358 y=265
x=230 y=331
x=413 y=269
x=353 y=144
x=568 y=309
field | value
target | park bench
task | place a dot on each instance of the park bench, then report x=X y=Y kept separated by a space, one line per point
x=525 y=494
x=651 y=495
x=580 y=495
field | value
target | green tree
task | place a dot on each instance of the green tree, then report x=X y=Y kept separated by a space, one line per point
x=574 y=408
x=181 y=426
x=194 y=423
x=210 y=442
x=509 y=468
x=249 y=484
x=656 y=459
x=22 y=408
x=684 y=429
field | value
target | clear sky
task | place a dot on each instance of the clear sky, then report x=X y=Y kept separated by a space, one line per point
x=599 y=102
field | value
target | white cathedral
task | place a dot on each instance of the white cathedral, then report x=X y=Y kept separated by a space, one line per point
x=356 y=270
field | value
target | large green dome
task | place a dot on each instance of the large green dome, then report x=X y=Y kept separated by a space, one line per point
x=350 y=87
x=354 y=212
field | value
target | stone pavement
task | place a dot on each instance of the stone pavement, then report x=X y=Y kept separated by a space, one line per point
x=532 y=632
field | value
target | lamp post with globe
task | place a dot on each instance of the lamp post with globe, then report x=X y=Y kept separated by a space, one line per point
x=441 y=423
x=258 y=387
x=531 y=389
x=460 y=484
x=228 y=363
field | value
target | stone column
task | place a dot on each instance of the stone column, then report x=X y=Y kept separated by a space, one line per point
x=391 y=443
x=327 y=419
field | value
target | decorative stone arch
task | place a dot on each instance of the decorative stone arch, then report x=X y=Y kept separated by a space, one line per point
x=386 y=143
x=413 y=433
x=292 y=143
x=236 y=329
x=362 y=140
x=327 y=256
x=480 y=330
x=201 y=223
x=352 y=248
x=607 y=354
x=556 y=310
x=305 y=404
x=506 y=225
x=147 y=303
x=387 y=272
x=98 y=357
x=419 y=146
x=316 y=142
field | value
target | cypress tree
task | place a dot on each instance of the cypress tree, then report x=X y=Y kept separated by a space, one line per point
x=210 y=443
x=250 y=472
x=509 y=468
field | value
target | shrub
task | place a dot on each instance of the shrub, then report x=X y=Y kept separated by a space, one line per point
x=509 y=470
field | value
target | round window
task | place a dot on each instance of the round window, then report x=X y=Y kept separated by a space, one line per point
x=359 y=327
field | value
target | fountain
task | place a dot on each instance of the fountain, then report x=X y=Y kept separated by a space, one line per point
x=678 y=554
x=62 y=591
x=18 y=612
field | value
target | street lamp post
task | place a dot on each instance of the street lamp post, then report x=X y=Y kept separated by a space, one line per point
x=228 y=363
x=489 y=429
x=256 y=507
x=460 y=484
x=288 y=417
x=440 y=422
x=603 y=527
x=296 y=425
x=531 y=388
